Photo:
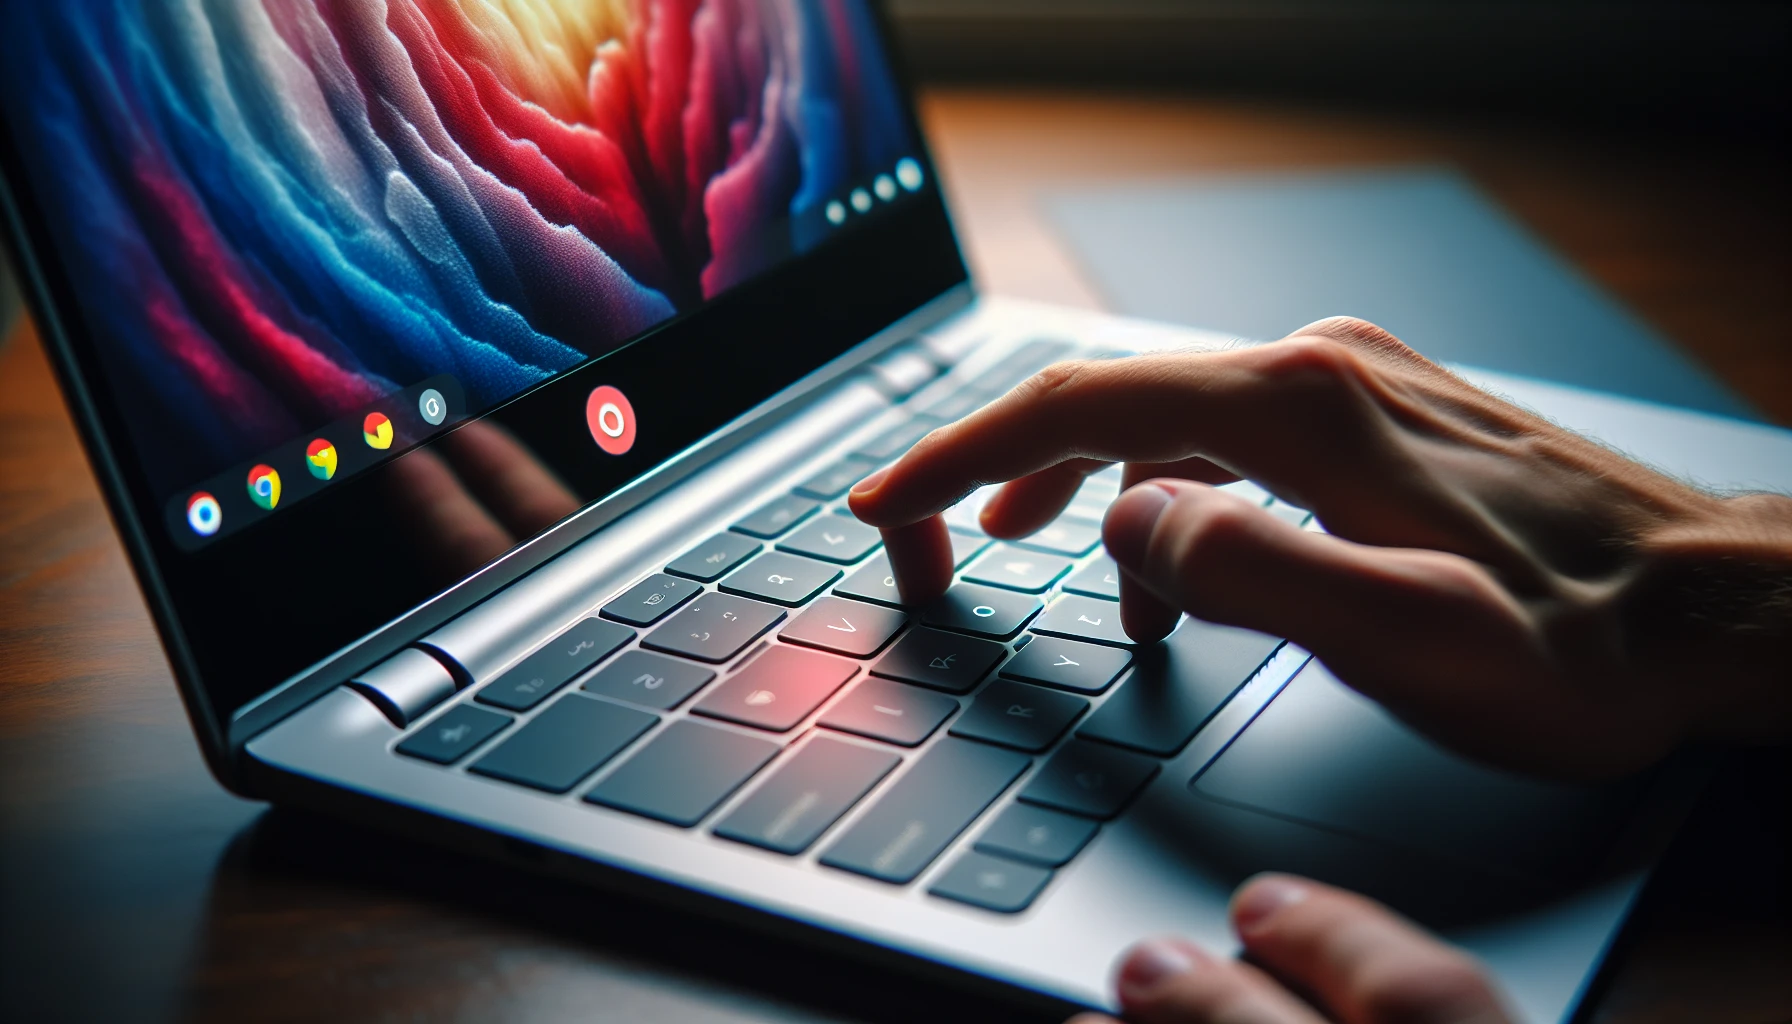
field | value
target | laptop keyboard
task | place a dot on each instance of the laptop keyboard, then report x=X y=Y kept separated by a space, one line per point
x=788 y=667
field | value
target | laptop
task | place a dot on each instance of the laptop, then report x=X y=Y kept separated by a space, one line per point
x=475 y=389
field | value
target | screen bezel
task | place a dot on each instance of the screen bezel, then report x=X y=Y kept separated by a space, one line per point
x=855 y=284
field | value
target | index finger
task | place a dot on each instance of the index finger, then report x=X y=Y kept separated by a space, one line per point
x=1238 y=409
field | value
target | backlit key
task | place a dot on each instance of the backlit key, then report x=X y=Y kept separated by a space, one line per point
x=777 y=689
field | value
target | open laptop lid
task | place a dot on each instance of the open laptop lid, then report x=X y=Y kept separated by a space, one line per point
x=335 y=288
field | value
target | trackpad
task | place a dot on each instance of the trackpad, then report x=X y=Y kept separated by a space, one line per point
x=1323 y=755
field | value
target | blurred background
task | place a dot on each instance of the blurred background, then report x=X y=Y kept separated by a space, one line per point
x=1579 y=190
x=1700 y=67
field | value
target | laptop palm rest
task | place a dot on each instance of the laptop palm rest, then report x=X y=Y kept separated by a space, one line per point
x=1326 y=783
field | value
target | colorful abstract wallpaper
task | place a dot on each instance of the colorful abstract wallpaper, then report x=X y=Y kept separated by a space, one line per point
x=276 y=211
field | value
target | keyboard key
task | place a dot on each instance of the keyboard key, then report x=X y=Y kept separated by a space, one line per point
x=1102 y=486
x=683 y=773
x=852 y=628
x=1022 y=363
x=1084 y=618
x=565 y=743
x=1019 y=716
x=1037 y=836
x=650 y=680
x=967 y=514
x=715 y=627
x=1100 y=579
x=944 y=661
x=778 y=689
x=833 y=539
x=1064 y=536
x=1068 y=665
x=834 y=481
x=547 y=670
x=1017 y=569
x=896 y=440
x=957 y=405
x=651 y=600
x=1177 y=685
x=965 y=546
x=992 y=883
x=984 y=611
x=712 y=559
x=1090 y=779
x=776 y=516
x=893 y=712
x=924 y=810
x=781 y=578
x=872 y=582
x=805 y=796
x=452 y=736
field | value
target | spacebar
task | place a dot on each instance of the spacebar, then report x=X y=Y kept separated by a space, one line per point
x=925 y=810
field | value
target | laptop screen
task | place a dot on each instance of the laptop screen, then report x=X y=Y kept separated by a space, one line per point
x=303 y=248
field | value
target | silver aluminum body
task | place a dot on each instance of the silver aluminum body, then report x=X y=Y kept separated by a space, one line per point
x=1129 y=884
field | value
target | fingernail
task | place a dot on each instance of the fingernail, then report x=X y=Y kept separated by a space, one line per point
x=869 y=484
x=1127 y=529
x=1262 y=898
x=1149 y=965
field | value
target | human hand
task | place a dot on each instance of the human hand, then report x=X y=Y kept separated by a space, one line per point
x=1353 y=960
x=1512 y=589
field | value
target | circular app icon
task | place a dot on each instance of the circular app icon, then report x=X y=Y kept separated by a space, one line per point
x=432 y=408
x=376 y=430
x=885 y=187
x=264 y=486
x=320 y=459
x=836 y=211
x=861 y=200
x=203 y=514
x=611 y=419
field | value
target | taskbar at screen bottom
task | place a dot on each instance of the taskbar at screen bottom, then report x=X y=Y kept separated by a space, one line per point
x=260 y=488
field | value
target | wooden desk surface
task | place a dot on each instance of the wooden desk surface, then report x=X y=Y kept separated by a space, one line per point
x=132 y=887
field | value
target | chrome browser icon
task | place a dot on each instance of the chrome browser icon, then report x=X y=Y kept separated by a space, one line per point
x=376 y=429
x=264 y=486
x=320 y=459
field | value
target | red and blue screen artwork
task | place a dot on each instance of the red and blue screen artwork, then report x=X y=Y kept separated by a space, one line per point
x=275 y=211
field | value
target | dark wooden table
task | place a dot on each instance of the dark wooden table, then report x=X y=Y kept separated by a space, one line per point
x=132 y=887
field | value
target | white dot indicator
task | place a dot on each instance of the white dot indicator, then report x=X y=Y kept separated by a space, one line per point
x=885 y=187
x=861 y=200
x=908 y=171
x=836 y=212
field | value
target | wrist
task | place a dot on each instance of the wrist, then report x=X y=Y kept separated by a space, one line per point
x=1710 y=613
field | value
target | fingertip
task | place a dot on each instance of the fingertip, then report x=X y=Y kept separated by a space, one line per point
x=920 y=559
x=862 y=498
x=1261 y=897
x=871 y=482
x=1155 y=965
x=1145 y=616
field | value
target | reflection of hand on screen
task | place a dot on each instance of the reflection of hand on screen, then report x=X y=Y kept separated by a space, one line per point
x=473 y=496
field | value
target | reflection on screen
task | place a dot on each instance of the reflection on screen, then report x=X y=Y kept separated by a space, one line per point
x=279 y=212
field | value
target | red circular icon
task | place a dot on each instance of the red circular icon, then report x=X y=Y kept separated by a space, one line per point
x=611 y=419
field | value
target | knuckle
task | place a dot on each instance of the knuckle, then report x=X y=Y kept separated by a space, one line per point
x=1356 y=331
x=1309 y=362
x=1054 y=380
